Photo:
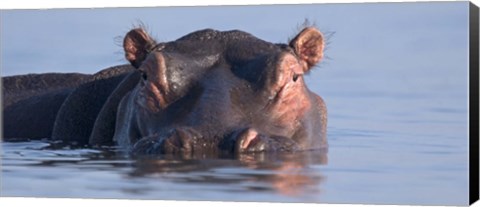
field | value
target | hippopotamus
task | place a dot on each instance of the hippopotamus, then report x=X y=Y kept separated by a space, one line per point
x=208 y=91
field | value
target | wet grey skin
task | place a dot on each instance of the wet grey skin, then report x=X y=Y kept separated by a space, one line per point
x=206 y=92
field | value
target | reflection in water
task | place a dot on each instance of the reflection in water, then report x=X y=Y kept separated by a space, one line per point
x=108 y=173
x=289 y=171
x=288 y=174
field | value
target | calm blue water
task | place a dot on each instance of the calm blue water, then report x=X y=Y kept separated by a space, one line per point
x=395 y=83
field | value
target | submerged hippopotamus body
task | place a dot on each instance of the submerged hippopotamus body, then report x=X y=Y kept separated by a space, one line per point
x=207 y=91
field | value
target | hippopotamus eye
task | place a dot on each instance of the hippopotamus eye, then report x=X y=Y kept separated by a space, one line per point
x=295 y=77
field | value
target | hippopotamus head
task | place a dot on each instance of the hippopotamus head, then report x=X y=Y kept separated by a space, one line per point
x=221 y=91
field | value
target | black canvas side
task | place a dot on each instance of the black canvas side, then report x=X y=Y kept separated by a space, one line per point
x=474 y=106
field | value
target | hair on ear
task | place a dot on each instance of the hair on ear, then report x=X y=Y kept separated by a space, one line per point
x=309 y=45
x=137 y=43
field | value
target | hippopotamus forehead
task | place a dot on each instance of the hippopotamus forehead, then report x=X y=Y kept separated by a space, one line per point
x=187 y=53
x=210 y=34
x=245 y=51
x=233 y=46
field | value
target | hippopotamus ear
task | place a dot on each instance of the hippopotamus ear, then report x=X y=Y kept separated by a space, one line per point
x=137 y=44
x=308 y=46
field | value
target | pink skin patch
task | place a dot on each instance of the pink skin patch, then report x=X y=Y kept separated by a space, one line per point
x=156 y=88
x=250 y=135
x=291 y=101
